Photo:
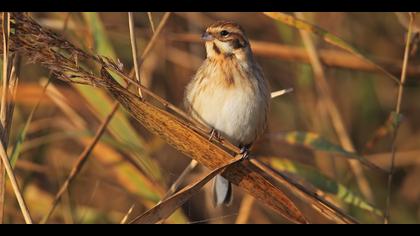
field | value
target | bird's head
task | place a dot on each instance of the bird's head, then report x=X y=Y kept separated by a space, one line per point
x=225 y=38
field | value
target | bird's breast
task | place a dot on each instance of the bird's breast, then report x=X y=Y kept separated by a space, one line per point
x=237 y=111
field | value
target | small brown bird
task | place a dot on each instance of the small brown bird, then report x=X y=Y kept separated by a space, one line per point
x=229 y=93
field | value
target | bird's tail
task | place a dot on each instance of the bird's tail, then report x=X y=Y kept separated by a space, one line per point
x=222 y=191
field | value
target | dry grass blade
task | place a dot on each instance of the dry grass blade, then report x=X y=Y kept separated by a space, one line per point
x=326 y=36
x=245 y=210
x=134 y=49
x=406 y=158
x=327 y=100
x=174 y=187
x=281 y=92
x=5 y=113
x=125 y=218
x=5 y=36
x=5 y=86
x=154 y=37
x=152 y=24
x=79 y=163
x=15 y=186
x=164 y=209
x=397 y=111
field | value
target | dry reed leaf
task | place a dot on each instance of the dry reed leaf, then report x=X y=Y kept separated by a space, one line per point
x=164 y=209
x=180 y=136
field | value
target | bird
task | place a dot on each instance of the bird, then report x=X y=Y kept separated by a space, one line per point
x=229 y=94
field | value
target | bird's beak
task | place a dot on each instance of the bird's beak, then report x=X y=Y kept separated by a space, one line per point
x=206 y=36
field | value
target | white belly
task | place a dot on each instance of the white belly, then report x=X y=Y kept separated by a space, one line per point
x=237 y=113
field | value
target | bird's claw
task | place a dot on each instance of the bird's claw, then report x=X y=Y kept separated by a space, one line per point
x=245 y=153
x=214 y=134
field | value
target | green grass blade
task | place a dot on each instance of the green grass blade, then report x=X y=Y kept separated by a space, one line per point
x=19 y=142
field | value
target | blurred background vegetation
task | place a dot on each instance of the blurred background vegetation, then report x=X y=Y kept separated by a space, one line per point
x=130 y=168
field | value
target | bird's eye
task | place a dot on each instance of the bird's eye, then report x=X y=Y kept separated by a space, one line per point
x=224 y=33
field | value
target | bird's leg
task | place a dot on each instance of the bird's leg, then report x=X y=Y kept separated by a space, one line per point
x=245 y=152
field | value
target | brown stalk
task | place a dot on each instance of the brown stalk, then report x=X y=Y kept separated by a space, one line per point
x=154 y=37
x=327 y=100
x=5 y=36
x=405 y=158
x=125 y=218
x=245 y=209
x=5 y=117
x=397 y=111
x=165 y=208
x=175 y=185
x=152 y=24
x=134 y=49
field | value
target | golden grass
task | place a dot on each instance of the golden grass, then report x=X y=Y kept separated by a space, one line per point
x=289 y=198
x=38 y=44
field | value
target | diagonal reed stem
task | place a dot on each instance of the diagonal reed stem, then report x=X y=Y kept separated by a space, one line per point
x=152 y=23
x=134 y=50
x=397 y=111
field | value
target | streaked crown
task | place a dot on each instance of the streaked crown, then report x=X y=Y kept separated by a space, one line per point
x=226 y=37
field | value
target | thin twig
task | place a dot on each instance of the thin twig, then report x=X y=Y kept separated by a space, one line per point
x=245 y=209
x=134 y=49
x=15 y=186
x=125 y=218
x=174 y=187
x=149 y=46
x=4 y=97
x=152 y=24
x=279 y=93
x=333 y=112
x=5 y=35
x=397 y=111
